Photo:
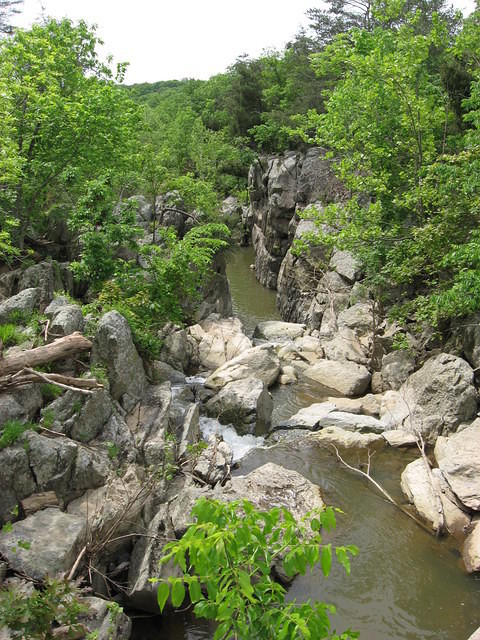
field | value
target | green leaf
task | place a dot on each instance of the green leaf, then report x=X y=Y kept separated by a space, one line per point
x=245 y=584
x=195 y=591
x=163 y=592
x=178 y=593
x=326 y=560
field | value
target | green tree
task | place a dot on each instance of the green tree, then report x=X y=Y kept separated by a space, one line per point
x=226 y=558
x=65 y=120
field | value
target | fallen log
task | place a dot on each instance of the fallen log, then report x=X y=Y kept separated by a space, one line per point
x=58 y=350
x=39 y=501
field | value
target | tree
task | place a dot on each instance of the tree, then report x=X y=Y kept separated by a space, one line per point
x=65 y=120
x=226 y=559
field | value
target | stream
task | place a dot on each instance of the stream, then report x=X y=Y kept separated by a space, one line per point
x=405 y=584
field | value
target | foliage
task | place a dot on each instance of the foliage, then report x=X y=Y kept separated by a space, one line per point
x=50 y=391
x=226 y=559
x=11 y=431
x=63 y=121
x=10 y=335
x=32 y=615
x=173 y=274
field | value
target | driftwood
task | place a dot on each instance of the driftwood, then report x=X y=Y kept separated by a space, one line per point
x=384 y=493
x=57 y=350
x=39 y=501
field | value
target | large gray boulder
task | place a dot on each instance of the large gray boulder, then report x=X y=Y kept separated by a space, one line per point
x=436 y=399
x=259 y=362
x=114 y=348
x=49 y=276
x=180 y=350
x=214 y=463
x=349 y=379
x=245 y=403
x=345 y=347
x=417 y=487
x=151 y=423
x=346 y=265
x=104 y=623
x=22 y=404
x=51 y=541
x=340 y=437
x=396 y=368
x=458 y=458
x=24 y=303
x=219 y=340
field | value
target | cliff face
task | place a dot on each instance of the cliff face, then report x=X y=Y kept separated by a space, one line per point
x=280 y=187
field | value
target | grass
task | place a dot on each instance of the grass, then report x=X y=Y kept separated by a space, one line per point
x=11 y=431
x=10 y=335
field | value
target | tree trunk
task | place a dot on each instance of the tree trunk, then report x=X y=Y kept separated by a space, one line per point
x=57 y=350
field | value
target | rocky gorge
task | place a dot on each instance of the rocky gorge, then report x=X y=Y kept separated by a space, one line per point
x=109 y=474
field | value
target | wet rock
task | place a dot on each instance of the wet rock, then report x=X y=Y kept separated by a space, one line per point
x=113 y=347
x=435 y=399
x=349 y=379
x=260 y=362
x=275 y=331
x=54 y=540
x=471 y=550
x=458 y=458
x=16 y=480
x=219 y=340
x=324 y=414
x=65 y=321
x=245 y=403
x=287 y=375
x=396 y=368
x=418 y=489
x=23 y=303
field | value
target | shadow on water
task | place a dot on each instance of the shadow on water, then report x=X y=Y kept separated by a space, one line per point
x=404 y=584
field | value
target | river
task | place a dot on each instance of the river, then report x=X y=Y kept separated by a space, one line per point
x=405 y=584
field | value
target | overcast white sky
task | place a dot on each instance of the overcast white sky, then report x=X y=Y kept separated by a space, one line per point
x=174 y=39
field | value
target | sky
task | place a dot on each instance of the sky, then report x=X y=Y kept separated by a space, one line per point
x=175 y=39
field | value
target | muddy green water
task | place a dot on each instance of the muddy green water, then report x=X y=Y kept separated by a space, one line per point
x=405 y=584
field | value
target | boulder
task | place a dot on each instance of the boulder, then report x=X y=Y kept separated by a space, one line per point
x=213 y=464
x=92 y=417
x=180 y=350
x=349 y=379
x=469 y=331
x=396 y=368
x=471 y=550
x=277 y=331
x=458 y=458
x=151 y=422
x=16 y=480
x=347 y=439
x=23 y=304
x=245 y=403
x=114 y=348
x=417 y=487
x=51 y=541
x=219 y=340
x=48 y=276
x=66 y=320
x=399 y=438
x=55 y=305
x=22 y=404
x=435 y=399
x=324 y=414
x=190 y=429
x=346 y=265
x=368 y=405
x=345 y=347
x=114 y=509
x=162 y=372
x=259 y=362
x=359 y=317
x=475 y=635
